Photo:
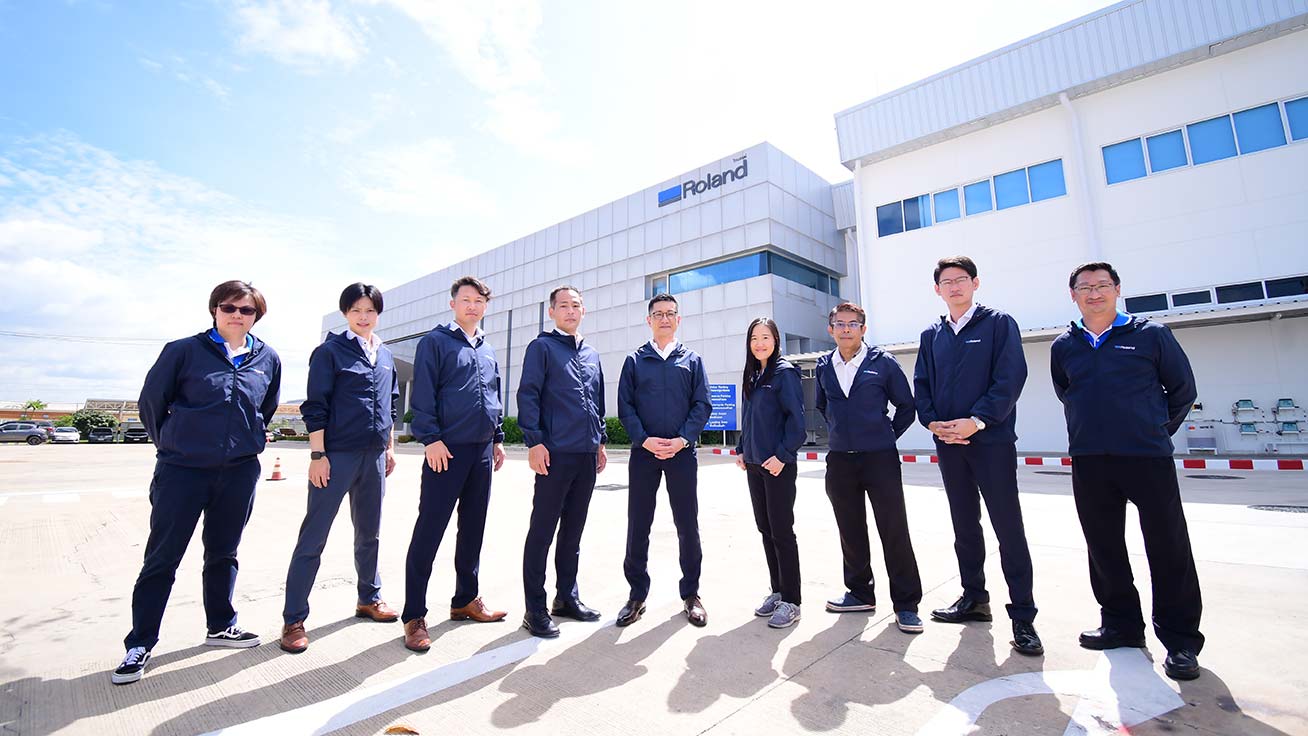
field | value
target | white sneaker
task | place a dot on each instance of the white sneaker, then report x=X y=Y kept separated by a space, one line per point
x=232 y=636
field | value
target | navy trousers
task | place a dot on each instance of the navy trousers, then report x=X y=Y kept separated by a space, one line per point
x=988 y=472
x=561 y=501
x=361 y=475
x=178 y=496
x=1102 y=485
x=773 y=499
x=644 y=472
x=466 y=482
x=852 y=477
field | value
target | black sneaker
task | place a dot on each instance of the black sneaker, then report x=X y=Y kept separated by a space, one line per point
x=133 y=666
x=232 y=636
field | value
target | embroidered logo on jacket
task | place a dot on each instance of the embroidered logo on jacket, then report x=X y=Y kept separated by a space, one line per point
x=1125 y=347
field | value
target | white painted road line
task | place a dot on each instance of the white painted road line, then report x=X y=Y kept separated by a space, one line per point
x=343 y=710
x=128 y=494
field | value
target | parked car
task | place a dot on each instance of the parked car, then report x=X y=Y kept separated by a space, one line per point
x=135 y=434
x=100 y=434
x=67 y=435
x=46 y=425
x=22 y=432
x=269 y=435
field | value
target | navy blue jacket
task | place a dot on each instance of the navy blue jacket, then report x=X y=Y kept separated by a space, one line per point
x=561 y=395
x=1126 y=397
x=861 y=421
x=353 y=400
x=203 y=412
x=663 y=398
x=773 y=417
x=456 y=390
x=977 y=373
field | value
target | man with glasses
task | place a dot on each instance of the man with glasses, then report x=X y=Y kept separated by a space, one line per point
x=1126 y=387
x=663 y=402
x=855 y=385
x=970 y=372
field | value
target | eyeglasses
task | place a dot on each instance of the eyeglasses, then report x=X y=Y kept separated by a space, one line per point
x=955 y=282
x=233 y=309
x=846 y=325
x=659 y=316
x=1088 y=289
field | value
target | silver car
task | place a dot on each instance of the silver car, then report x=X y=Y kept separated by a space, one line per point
x=67 y=434
x=21 y=432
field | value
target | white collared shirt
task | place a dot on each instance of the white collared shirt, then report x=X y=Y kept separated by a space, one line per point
x=370 y=345
x=474 y=339
x=576 y=339
x=242 y=350
x=664 y=352
x=846 y=372
x=963 y=319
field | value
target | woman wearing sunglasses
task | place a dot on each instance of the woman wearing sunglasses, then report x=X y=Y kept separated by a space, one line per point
x=206 y=404
x=772 y=431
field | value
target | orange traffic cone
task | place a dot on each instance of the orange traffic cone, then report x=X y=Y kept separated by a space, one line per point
x=277 y=471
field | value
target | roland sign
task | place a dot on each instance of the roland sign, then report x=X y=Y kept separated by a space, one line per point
x=699 y=186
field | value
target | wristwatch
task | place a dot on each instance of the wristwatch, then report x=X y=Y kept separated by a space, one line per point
x=980 y=425
x=317 y=455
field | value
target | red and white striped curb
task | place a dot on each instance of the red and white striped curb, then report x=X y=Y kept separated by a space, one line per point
x=1188 y=463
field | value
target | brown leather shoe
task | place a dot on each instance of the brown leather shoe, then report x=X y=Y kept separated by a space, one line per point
x=476 y=611
x=415 y=635
x=695 y=612
x=377 y=611
x=294 y=640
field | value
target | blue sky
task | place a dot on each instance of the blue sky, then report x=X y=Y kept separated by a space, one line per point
x=150 y=150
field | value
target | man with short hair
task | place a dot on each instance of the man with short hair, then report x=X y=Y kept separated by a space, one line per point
x=663 y=403
x=855 y=385
x=561 y=414
x=458 y=417
x=1126 y=387
x=970 y=372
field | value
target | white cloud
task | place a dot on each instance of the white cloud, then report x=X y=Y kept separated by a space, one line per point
x=181 y=70
x=91 y=244
x=416 y=179
x=301 y=33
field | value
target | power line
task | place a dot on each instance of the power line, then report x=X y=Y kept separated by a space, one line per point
x=92 y=339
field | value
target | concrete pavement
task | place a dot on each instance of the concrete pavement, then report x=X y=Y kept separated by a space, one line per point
x=73 y=522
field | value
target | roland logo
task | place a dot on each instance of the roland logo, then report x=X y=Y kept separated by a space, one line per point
x=1125 y=347
x=699 y=186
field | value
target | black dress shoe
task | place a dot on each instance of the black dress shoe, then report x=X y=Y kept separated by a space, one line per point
x=964 y=609
x=1181 y=665
x=631 y=612
x=1107 y=637
x=540 y=624
x=695 y=612
x=574 y=609
x=1026 y=640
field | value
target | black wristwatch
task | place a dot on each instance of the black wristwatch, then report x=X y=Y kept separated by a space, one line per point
x=317 y=455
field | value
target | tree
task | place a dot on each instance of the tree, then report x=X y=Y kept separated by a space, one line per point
x=32 y=405
x=85 y=419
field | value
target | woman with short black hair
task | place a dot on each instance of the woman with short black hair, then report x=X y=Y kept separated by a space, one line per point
x=206 y=405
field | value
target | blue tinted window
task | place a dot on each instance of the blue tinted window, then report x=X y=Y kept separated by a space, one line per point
x=791 y=271
x=835 y=286
x=1296 y=111
x=917 y=212
x=977 y=197
x=1150 y=303
x=719 y=273
x=1293 y=286
x=890 y=219
x=1010 y=189
x=1166 y=151
x=1190 y=298
x=1124 y=161
x=1047 y=180
x=658 y=285
x=1211 y=140
x=946 y=204
x=1260 y=128
x=1240 y=292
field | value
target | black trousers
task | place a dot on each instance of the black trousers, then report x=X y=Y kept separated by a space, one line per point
x=1102 y=485
x=561 y=501
x=644 y=472
x=852 y=476
x=773 y=498
x=977 y=472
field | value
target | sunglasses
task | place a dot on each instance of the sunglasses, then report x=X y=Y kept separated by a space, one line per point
x=233 y=309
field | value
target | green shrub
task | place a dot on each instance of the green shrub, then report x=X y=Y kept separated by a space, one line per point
x=407 y=418
x=617 y=433
x=404 y=438
x=512 y=432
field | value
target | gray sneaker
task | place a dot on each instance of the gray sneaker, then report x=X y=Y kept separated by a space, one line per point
x=769 y=605
x=785 y=615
